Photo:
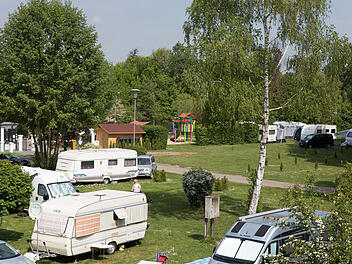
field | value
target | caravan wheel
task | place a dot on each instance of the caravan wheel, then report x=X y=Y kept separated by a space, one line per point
x=106 y=181
x=112 y=249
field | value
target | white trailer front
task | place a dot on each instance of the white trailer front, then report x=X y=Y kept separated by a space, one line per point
x=76 y=224
x=48 y=184
x=98 y=165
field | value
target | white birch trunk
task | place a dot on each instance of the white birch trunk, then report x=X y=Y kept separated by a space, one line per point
x=262 y=151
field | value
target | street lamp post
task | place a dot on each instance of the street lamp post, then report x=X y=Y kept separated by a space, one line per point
x=135 y=94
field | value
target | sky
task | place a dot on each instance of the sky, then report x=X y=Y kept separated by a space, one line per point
x=146 y=25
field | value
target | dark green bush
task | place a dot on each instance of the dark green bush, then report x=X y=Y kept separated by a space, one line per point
x=159 y=176
x=251 y=177
x=155 y=137
x=227 y=134
x=141 y=150
x=197 y=184
x=15 y=188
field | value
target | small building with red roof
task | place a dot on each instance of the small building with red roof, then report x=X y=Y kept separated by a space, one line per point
x=118 y=134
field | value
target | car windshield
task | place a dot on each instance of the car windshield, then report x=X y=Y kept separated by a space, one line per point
x=241 y=250
x=6 y=251
x=144 y=161
x=58 y=189
x=309 y=137
x=9 y=156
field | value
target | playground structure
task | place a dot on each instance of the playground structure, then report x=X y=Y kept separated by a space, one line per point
x=183 y=128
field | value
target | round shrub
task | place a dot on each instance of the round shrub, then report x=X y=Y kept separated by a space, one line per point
x=15 y=188
x=197 y=184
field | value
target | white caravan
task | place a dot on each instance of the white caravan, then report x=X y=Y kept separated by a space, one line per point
x=275 y=134
x=98 y=165
x=82 y=222
x=346 y=140
x=318 y=129
x=48 y=184
x=288 y=127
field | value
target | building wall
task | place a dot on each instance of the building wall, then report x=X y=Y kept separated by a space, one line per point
x=106 y=140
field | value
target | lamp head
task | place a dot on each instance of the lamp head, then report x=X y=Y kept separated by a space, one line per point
x=135 y=93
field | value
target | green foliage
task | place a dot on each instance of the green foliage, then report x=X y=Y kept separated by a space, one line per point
x=89 y=146
x=155 y=137
x=281 y=166
x=159 y=176
x=15 y=188
x=332 y=247
x=231 y=134
x=197 y=184
x=316 y=165
x=295 y=160
x=221 y=184
x=53 y=75
x=278 y=155
x=141 y=150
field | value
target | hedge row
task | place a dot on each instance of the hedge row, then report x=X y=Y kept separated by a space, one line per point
x=155 y=137
x=228 y=135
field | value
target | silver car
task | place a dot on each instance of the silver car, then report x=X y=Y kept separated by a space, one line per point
x=146 y=165
x=9 y=255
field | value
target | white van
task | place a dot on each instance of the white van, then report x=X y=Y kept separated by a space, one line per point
x=48 y=184
x=98 y=165
x=82 y=222
x=254 y=235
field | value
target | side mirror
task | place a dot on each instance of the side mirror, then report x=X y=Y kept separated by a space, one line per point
x=46 y=197
x=77 y=191
x=214 y=249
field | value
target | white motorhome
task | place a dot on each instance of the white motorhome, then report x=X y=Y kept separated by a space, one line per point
x=98 y=165
x=254 y=235
x=82 y=222
x=48 y=184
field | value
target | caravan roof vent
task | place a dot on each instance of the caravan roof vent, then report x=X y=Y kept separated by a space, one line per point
x=237 y=227
x=262 y=230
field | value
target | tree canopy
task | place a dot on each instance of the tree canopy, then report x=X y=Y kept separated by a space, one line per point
x=53 y=75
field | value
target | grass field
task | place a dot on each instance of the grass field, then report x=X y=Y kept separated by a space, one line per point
x=175 y=227
x=236 y=159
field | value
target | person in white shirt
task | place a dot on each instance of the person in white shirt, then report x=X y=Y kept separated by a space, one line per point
x=136 y=186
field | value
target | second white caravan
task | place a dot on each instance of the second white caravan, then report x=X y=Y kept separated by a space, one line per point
x=98 y=165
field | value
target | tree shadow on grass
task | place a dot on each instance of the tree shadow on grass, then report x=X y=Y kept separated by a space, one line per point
x=10 y=235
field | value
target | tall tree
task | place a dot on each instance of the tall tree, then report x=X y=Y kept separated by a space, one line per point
x=53 y=75
x=258 y=31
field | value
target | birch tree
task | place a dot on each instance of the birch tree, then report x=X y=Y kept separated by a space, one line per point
x=285 y=27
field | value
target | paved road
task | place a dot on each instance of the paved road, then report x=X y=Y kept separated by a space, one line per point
x=237 y=178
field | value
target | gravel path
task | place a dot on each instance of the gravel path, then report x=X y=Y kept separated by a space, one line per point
x=237 y=178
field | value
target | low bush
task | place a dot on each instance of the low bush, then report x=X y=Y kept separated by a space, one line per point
x=197 y=184
x=89 y=146
x=159 y=176
x=221 y=184
x=140 y=149
x=15 y=188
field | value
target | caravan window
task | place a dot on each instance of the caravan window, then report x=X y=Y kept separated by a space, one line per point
x=272 y=249
x=327 y=130
x=112 y=162
x=87 y=165
x=318 y=131
x=271 y=132
x=333 y=130
x=130 y=162
x=42 y=190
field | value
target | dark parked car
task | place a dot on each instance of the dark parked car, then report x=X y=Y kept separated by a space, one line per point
x=15 y=159
x=317 y=141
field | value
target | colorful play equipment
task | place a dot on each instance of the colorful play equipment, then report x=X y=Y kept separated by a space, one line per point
x=185 y=125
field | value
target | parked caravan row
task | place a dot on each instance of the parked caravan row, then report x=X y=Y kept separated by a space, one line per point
x=280 y=131
x=98 y=165
x=306 y=130
x=78 y=223
x=48 y=184
x=254 y=235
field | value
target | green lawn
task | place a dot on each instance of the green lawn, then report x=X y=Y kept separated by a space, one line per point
x=235 y=160
x=175 y=227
